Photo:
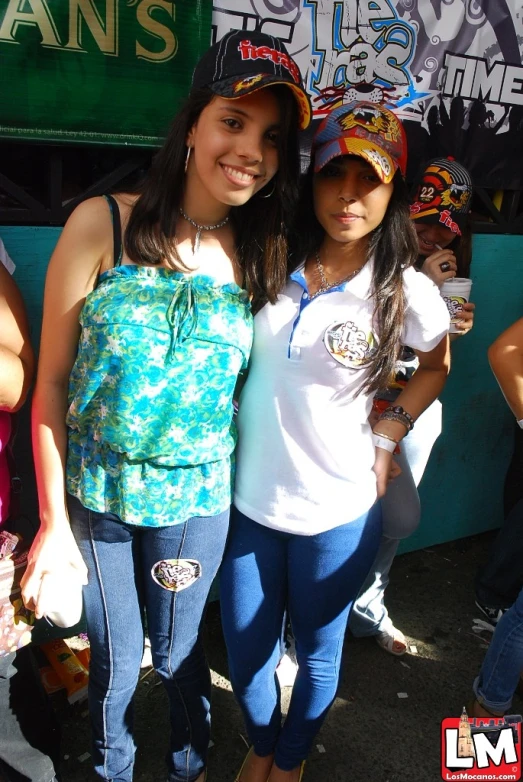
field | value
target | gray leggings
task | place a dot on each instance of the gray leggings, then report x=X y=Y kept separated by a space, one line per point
x=401 y=517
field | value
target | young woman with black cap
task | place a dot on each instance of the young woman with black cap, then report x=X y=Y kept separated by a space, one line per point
x=440 y=211
x=133 y=437
x=306 y=525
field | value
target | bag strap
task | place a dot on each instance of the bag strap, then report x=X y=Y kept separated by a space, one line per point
x=117 y=229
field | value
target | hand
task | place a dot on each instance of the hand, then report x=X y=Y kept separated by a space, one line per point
x=373 y=418
x=395 y=471
x=383 y=468
x=432 y=266
x=51 y=552
x=466 y=319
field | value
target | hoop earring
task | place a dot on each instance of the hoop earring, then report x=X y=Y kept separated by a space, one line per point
x=188 y=155
x=269 y=194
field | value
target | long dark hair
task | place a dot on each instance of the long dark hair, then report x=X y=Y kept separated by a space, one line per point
x=394 y=246
x=462 y=249
x=259 y=225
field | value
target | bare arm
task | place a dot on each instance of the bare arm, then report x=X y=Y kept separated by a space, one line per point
x=422 y=389
x=82 y=252
x=506 y=361
x=16 y=353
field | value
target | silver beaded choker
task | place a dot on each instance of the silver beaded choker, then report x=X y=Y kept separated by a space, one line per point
x=200 y=228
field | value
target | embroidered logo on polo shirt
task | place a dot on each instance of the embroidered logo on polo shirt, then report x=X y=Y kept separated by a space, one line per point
x=349 y=344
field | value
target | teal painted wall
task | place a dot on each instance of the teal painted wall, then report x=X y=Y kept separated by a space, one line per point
x=462 y=489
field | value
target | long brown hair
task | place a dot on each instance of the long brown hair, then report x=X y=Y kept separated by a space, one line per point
x=259 y=225
x=393 y=245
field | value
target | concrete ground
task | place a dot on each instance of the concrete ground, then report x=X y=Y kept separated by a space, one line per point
x=371 y=734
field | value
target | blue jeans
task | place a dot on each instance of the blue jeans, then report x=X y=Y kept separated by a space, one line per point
x=266 y=572
x=126 y=580
x=503 y=663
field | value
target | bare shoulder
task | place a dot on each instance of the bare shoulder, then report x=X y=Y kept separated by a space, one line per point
x=92 y=215
x=87 y=238
x=86 y=241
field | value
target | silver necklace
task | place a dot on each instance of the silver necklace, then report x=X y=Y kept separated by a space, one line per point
x=324 y=285
x=200 y=228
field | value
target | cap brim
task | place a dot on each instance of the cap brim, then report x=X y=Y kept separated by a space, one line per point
x=432 y=216
x=380 y=160
x=234 y=88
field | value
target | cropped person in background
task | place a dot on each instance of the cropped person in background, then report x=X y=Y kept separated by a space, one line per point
x=29 y=735
x=501 y=669
x=440 y=213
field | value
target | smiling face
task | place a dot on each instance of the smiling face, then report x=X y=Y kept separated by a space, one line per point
x=235 y=150
x=431 y=234
x=350 y=200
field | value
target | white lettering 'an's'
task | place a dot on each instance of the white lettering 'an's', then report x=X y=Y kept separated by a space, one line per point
x=39 y=16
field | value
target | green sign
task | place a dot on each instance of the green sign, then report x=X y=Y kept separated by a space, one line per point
x=97 y=71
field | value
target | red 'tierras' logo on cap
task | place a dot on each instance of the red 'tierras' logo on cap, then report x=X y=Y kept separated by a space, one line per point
x=250 y=52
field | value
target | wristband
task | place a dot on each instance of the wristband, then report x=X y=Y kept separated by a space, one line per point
x=520 y=423
x=386 y=436
x=385 y=443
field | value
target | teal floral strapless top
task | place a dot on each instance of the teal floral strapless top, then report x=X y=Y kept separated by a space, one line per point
x=150 y=426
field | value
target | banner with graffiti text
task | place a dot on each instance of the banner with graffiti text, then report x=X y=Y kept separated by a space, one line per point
x=451 y=69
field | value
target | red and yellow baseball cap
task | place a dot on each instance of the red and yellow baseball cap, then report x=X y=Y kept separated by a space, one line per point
x=367 y=130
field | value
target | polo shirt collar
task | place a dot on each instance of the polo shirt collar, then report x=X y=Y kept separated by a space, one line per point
x=360 y=286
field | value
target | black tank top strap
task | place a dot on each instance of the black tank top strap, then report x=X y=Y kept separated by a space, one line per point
x=117 y=229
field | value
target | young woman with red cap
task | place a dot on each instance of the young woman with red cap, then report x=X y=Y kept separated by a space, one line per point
x=306 y=525
x=440 y=213
x=132 y=414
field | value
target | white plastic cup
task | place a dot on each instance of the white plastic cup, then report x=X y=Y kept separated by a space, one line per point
x=60 y=597
x=455 y=293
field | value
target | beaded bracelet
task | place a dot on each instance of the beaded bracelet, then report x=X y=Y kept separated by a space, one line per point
x=397 y=413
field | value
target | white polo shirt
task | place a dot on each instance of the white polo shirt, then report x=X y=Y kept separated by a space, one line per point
x=305 y=451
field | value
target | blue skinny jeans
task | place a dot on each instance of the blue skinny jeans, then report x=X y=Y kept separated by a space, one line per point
x=503 y=662
x=120 y=559
x=315 y=578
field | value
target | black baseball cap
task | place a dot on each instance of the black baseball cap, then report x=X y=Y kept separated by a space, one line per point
x=243 y=62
